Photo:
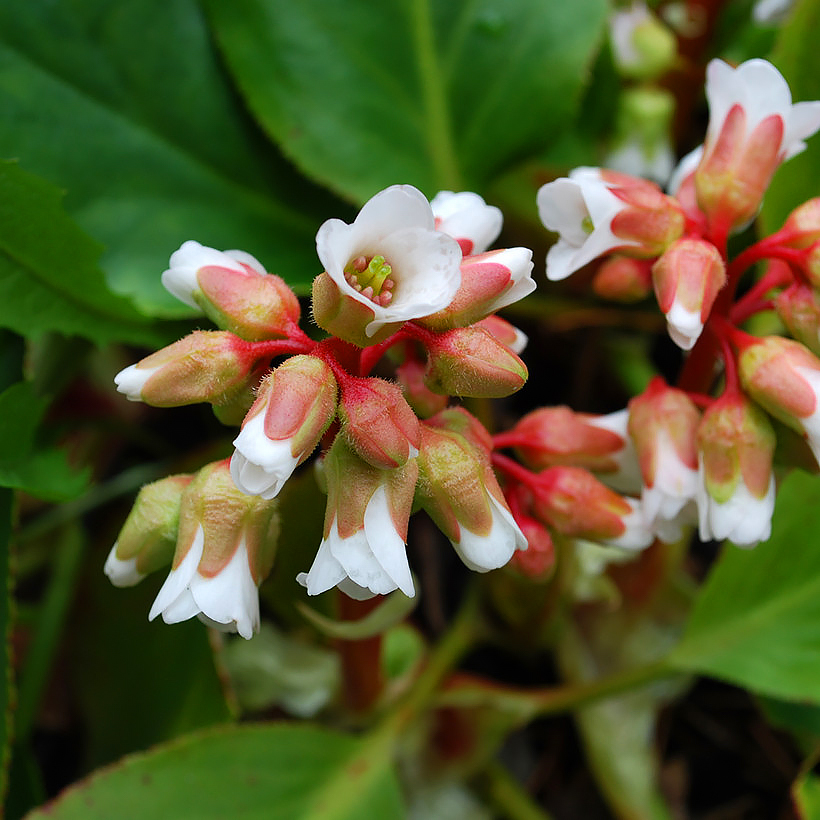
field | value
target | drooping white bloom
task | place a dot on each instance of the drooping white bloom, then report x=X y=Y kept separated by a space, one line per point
x=580 y=208
x=626 y=478
x=227 y=600
x=122 y=572
x=419 y=267
x=761 y=92
x=261 y=465
x=744 y=518
x=468 y=219
x=371 y=561
x=181 y=277
x=637 y=534
x=482 y=553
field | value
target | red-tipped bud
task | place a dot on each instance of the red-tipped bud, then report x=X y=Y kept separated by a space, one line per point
x=736 y=489
x=687 y=279
x=207 y=365
x=469 y=361
x=784 y=378
x=233 y=290
x=538 y=560
x=295 y=404
x=551 y=436
x=505 y=332
x=663 y=425
x=147 y=540
x=377 y=422
x=802 y=232
x=572 y=501
x=799 y=310
x=623 y=279
x=489 y=282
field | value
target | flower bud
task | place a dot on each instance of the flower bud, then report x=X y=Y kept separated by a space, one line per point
x=506 y=333
x=623 y=279
x=468 y=219
x=148 y=537
x=551 y=436
x=225 y=549
x=572 y=501
x=687 y=279
x=469 y=361
x=377 y=422
x=295 y=404
x=538 y=560
x=458 y=489
x=736 y=488
x=801 y=231
x=663 y=425
x=410 y=375
x=798 y=308
x=363 y=549
x=783 y=377
x=489 y=282
x=207 y=365
x=233 y=290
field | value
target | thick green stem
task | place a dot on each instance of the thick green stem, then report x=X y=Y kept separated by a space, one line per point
x=508 y=796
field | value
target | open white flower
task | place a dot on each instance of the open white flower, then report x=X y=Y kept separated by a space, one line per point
x=391 y=259
x=371 y=561
x=580 y=208
x=228 y=600
x=466 y=217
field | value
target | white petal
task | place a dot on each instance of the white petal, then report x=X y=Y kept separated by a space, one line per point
x=627 y=477
x=181 y=277
x=357 y=559
x=561 y=207
x=637 y=535
x=482 y=553
x=519 y=343
x=519 y=263
x=386 y=544
x=325 y=572
x=811 y=423
x=685 y=168
x=246 y=259
x=132 y=380
x=261 y=466
x=122 y=573
x=684 y=326
x=179 y=579
x=465 y=215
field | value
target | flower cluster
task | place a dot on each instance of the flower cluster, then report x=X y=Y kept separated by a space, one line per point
x=408 y=277
x=701 y=459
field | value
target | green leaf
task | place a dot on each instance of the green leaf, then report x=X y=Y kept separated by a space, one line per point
x=798 y=58
x=6 y=668
x=757 y=619
x=391 y=611
x=270 y=772
x=125 y=105
x=49 y=279
x=441 y=95
x=806 y=795
x=23 y=465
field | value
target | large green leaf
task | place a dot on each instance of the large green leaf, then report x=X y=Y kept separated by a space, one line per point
x=441 y=95
x=125 y=105
x=757 y=619
x=270 y=772
x=798 y=58
x=49 y=279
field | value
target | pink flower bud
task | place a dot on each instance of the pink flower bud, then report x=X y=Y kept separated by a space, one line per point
x=799 y=310
x=233 y=290
x=551 y=436
x=572 y=501
x=458 y=489
x=468 y=219
x=736 y=488
x=363 y=550
x=623 y=279
x=148 y=537
x=469 y=361
x=489 y=282
x=801 y=231
x=753 y=127
x=377 y=422
x=225 y=549
x=294 y=406
x=410 y=375
x=506 y=333
x=784 y=378
x=538 y=560
x=663 y=425
x=207 y=365
x=687 y=279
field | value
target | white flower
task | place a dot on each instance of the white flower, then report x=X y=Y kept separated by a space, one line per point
x=811 y=423
x=744 y=519
x=771 y=11
x=580 y=208
x=228 y=600
x=667 y=504
x=260 y=465
x=684 y=170
x=468 y=219
x=371 y=561
x=181 y=277
x=637 y=534
x=122 y=573
x=417 y=269
x=627 y=475
x=482 y=553
x=133 y=379
x=760 y=90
